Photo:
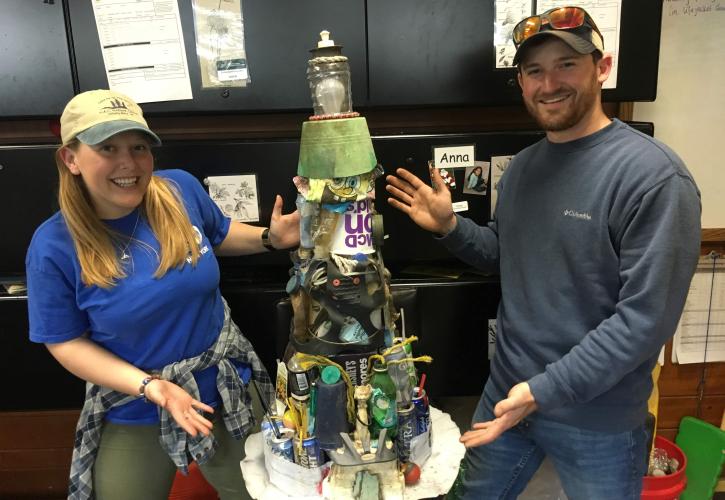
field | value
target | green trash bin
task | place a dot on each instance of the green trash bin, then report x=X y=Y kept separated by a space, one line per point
x=704 y=446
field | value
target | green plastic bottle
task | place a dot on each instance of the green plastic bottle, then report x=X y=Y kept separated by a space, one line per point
x=383 y=409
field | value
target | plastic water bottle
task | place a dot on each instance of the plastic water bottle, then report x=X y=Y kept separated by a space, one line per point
x=383 y=408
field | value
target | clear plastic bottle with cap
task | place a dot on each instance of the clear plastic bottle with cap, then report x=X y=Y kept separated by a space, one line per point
x=383 y=408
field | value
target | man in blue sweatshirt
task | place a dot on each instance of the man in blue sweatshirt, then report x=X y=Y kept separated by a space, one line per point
x=596 y=236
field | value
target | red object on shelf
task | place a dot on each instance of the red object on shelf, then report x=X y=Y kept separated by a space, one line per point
x=54 y=127
x=192 y=486
x=666 y=487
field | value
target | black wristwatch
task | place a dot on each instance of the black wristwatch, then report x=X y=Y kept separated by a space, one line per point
x=266 y=242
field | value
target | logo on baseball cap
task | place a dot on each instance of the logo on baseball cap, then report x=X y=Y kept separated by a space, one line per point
x=95 y=115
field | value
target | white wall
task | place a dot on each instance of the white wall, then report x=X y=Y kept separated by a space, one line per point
x=689 y=113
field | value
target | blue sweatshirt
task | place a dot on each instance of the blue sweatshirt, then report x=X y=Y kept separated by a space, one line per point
x=596 y=241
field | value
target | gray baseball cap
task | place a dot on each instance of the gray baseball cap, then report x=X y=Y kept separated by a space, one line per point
x=583 y=39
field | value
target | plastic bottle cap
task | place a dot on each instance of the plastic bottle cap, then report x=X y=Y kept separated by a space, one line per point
x=325 y=40
x=330 y=375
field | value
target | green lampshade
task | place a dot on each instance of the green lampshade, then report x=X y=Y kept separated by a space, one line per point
x=335 y=148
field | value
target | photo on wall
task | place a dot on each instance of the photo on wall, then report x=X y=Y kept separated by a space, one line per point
x=475 y=180
x=236 y=196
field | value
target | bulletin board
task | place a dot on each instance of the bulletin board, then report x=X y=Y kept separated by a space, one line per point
x=688 y=111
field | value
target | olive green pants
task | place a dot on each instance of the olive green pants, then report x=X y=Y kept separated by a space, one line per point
x=132 y=465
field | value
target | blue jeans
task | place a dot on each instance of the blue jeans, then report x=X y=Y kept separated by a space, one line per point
x=591 y=465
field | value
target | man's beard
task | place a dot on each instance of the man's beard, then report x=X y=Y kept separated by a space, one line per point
x=583 y=102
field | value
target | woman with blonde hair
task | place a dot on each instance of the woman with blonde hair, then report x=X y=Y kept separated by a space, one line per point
x=123 y=289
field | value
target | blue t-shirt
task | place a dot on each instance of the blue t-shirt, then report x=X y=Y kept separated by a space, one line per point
x=147 y=321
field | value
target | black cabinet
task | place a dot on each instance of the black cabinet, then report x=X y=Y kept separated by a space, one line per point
x=28 y=196
x=453 y=317
x=427 y=52
x=402 y=53
x=278 y=36
x=34 y=380
x=451 y=325
x=35 y=79
x=431 y=52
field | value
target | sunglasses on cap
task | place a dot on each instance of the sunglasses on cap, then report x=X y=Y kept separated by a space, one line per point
x=559 y=18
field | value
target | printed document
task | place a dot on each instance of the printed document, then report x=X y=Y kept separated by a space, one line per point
x=700 y=335
x=143 y=49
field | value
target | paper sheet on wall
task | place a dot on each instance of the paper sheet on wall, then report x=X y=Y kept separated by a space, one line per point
x=607 y=14
x=499 y=164
x=143 y=49
x=219 y=29
x=508 y=14
x=236 y=196
x=700 y=335
x=688 y=111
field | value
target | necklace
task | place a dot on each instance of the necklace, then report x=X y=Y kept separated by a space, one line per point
x=125 y=256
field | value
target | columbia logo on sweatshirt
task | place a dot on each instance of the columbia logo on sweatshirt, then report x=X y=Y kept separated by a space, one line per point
x=577 y=215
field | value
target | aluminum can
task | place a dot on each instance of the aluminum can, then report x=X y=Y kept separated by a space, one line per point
x=406 y=432
x=283 y=445
x=422 y=411
x=408 y=348
x=266 y=426
x=309 y=452
x=401 y=378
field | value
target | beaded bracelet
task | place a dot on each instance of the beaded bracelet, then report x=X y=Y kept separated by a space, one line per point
x=144 y=383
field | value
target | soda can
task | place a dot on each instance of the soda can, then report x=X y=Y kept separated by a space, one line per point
x=406 y=432
x=312 y=449
x=422 y=410
x=266 y=426
x=301 y=458
x=399 y=373
x=408 y=348
x=282 y=446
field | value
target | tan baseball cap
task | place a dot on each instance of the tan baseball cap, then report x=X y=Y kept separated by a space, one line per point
x=95 y=115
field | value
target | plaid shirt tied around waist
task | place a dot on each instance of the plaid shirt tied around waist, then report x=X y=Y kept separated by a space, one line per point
x=235 y=410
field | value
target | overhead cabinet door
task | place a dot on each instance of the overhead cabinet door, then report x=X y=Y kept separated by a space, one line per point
x=429 y=52
x=35 y=71
x=278 y=36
